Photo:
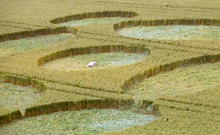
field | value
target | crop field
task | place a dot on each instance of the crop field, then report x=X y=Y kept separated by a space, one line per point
x=18 y=46
x=93 y=21
x=105 y=60
x=174 y=32
x=157 y=71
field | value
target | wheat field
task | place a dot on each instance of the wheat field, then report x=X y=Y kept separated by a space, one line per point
x=157 y=67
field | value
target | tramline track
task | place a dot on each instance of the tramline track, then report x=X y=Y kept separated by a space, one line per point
x=156 y=45
x=19 y=23
x=168 y=43
x=11 y=26
x=86 y=92
x=189 y=103
x=54 y=83
x=185 y=106
x=154 y=5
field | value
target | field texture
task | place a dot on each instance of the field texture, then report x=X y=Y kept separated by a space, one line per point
x=173 y=32
x=157 y=67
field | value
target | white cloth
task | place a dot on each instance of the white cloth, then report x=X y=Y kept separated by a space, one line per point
x=91 y=64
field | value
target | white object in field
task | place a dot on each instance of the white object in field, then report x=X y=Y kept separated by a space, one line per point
x=91 y=64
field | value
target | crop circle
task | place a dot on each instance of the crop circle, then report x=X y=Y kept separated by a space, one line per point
x=170 y=29
x=26 y=40
x=55 y=79
x=19 y=92
x=93 y=18
x=79 y=122
x=180 y=81
x=105 y=56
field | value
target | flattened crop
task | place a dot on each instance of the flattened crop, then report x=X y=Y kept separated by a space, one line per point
x=176 y=29
x=172 y=32
x=105 y=56
x=178 y=82
x=103 y=60
x=78 y=122
x=25 y=40
x=17 y=97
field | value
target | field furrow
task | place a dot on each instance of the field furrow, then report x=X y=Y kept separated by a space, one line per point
x=86 y=92
x=189 y=107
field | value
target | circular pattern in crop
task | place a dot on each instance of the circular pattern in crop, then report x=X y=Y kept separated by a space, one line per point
x=77 y=122
x=108 y=88
x=21 y=45
x=26 y=40
x=93 y=18
x=171 y=29
x=17 y=97
x=103 y=60
x=179 y=81
x=103 y=56
x=172 y=32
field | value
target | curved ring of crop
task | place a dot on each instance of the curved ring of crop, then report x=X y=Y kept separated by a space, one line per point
x=35 y=33
x=22 y=81
x=80 y=105
x=94 y=15
x=169 y=67
x=92 y=49
x=163 y=22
